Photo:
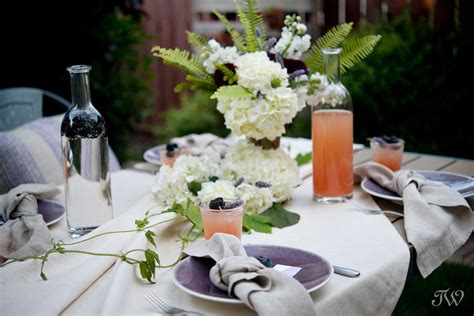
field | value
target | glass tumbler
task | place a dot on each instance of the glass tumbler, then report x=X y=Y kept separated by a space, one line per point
x=387 y=153
x=228 y=221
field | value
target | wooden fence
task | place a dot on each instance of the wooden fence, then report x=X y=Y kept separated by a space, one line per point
x=169 y=19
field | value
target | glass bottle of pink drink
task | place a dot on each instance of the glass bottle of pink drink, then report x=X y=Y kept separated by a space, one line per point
x=332 y=135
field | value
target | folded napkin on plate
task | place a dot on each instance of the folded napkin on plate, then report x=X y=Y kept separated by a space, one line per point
x=205 y=144
x=24 y=232
x=438 y=220
x=267 y=291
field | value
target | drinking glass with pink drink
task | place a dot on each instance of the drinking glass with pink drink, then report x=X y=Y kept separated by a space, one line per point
x=332 y=135
x=222 y=217
x=388 y=151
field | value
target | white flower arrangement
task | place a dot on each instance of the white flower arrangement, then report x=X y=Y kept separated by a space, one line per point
x=260 y=118
x=280 y=176
x=256 y=200
x=216 y=54
x=274 y=166
x=172 y=183
x=260 y=85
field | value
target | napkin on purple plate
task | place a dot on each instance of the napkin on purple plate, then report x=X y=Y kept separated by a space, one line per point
x=265 y=290
x=24 y=232
x=438 y=220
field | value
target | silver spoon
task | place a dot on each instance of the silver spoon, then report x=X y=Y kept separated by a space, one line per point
x=351 y=273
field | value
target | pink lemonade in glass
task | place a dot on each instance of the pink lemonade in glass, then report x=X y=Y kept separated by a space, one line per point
x=332 y=135
x=228 y=221
x=388 y=154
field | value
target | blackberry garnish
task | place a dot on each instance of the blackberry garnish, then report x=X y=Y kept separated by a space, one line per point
x=239 y=181
x=217 y=204
x=234 y=204
x=267 y=262
x=261 y=184
x=171 y=147
x=390 y=139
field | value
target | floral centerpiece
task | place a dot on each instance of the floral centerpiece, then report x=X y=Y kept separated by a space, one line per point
x=260 y=85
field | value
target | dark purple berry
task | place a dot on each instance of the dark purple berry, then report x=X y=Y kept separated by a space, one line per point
x=171 y=147
x=384 y=139
x=217 y=204
x=239 y=181
x=261 y=184
x=234 y=204
x=267 y=262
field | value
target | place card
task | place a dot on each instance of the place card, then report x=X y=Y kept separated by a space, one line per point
x=287 y=270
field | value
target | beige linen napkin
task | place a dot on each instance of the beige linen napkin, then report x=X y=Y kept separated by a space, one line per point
x=267 y=291
x=438 y=220
x=24 y=232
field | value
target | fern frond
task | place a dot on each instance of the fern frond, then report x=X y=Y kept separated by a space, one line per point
x=229 y=75
x=255 y=17
x=182 y=59
x=183 y=86
x=239 y=42
x=251 y=19
x=200 y=83
x=354 y=51
x=332 y=39
x=197 y=41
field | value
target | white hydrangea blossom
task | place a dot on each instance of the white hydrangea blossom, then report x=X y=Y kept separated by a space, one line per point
x=171 y=187
x=171 y=184
x=256 y=200
x=260 y=118
x=274 y=166
x=221 y=188
x=256 y=72
x=195 y=168
x=216 y=54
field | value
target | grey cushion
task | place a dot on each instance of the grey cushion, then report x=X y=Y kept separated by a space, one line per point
x=31 y=153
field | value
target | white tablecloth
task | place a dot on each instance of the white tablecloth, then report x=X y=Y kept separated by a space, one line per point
x=368 y=243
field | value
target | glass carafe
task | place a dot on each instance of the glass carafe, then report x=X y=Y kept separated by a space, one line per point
x=332 y=135
x=84 y=145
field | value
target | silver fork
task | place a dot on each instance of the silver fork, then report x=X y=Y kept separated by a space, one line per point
x=166 y=308
x=371 y=211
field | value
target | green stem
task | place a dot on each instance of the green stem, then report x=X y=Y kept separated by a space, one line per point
x=183 y=245
x=20 y=260
x=289 y=44
x=120 y=231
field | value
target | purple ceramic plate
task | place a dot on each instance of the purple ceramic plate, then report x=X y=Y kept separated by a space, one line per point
x=192 y=274
x=52 y=211
x=152 y=155
x=463 y=184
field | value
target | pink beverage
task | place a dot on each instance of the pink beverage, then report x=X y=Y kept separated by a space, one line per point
x=332 y=132
x=388 y=154
x=228 y=221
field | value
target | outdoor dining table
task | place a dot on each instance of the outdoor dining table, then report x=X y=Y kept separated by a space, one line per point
x=80 y=284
